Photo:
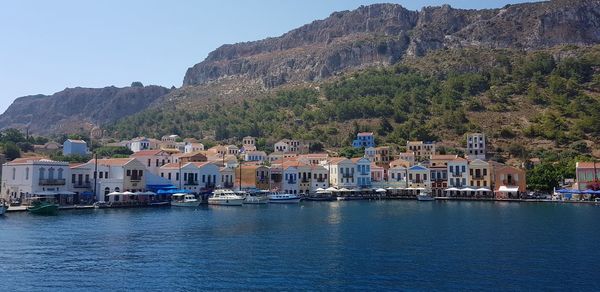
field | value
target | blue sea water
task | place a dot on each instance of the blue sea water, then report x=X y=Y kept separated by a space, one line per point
x=382 y=245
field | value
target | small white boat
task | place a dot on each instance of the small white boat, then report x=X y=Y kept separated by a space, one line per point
x=225 y=198
x=256 y=198
x=278 y=198
x=101 y=205
x=425 y=196
x=184 y=200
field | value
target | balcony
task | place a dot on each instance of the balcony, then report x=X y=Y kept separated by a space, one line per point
x=418 y=181
x=52 y=182
x=191 y=183
x=347 y=176
x=456 y=174
x=509 y=182
x=136 y=178
x=291 y=182
x=321 y=180
x=479 y=177
x=305 y=180
x=84 y=185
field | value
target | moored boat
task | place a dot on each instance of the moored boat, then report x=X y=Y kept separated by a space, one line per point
x=225 y=198
x=43 y=205
x=257 y=198
x=425 y=197
x=278 y=198
x=184 y=200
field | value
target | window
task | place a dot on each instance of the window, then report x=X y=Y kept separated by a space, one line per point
x=149 y=162
x=140 y=171
x=169 y=176
x=73 y=177
x=27 y=173
x=87 y=178
x=106 y=174
x=14 y=173
x=129 y=172
x=60 y=173
x=51 y=173
x=102 y=174
x=177 y=176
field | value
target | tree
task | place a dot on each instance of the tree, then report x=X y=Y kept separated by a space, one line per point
x=11 y=151
x=316 y=147
x=543 y=177
x=137 y=84
x=384 y=127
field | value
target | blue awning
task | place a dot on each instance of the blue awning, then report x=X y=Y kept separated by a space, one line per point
x=567 y=191
x=173 y=191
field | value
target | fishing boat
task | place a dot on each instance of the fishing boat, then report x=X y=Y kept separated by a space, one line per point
x=225 y=198
x=43 y=205
x=184 y=200
x=278 y=198
x=256 y=198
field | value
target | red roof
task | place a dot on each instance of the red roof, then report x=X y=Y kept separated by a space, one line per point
x=146 y=153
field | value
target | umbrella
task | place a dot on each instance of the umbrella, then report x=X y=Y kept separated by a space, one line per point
x=332 y=189
x=128 y=193
x=380 y=190
x=345 y=190
x=114 y=194
x=452 y=189
x=482 y=190
x=320 y=189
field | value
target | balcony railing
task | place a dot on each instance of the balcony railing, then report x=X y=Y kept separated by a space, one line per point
x=456 y=174
x=509 y=182
x=84 y=185
x=478 y=176
x=52 y=182
x=418 y=181
x=305 y=180
x=320 y=180
x=191 y=183
x=348 y=176
x=136 y=178
x=291 y=182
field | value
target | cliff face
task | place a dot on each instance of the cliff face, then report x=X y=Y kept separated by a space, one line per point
x=74 y=109
x=385 y=33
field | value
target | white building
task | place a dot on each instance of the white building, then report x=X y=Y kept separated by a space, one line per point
x=193 y=147
x=142 y=143
x=197 y=177
x=419 y=177
x=118 y=175
x=291 y=183
x=152 y=159
x=342 y=171
x=23 y=178
x=476 y=148
x=75 y=147
x=320 y=178
x=255 y=156
x=458 y=173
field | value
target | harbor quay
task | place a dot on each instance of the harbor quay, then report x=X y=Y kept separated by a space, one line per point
x=158 y=170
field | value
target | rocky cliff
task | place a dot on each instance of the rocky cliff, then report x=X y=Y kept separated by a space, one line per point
x=76 y=109
x=385 y=33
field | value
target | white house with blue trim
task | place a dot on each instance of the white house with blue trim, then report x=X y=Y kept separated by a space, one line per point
x=419 y=177
x=364 y=139
x=363 y=172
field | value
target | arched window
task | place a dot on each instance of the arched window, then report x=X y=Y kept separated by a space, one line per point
x=42 y=173
x=51 y=173
x=106 y=190
x=117 y=189
x=60 y=173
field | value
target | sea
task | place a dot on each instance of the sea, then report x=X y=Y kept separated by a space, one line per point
x=332 y=246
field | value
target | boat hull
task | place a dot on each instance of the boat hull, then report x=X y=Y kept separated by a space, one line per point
x=185 y=204
x=425 y=198
x=50 y=209
x=285 y=201
x=255 y=201
x=225 y=202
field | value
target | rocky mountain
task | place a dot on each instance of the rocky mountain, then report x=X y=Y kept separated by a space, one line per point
x=76 y=109
x=386 y=33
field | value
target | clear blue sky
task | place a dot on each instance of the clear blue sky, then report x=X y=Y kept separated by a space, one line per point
x=47 y=46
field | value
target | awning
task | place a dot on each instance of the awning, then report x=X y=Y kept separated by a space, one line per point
x=344 y=190
x=467 y=190
x=452 y=189
x=567 y=191
x=332 y=189
x=324 y=192
x=45 y=193
x=482 y=190
x=115 y=194
x=380 y=190
x=506 y=189
x=66 y=193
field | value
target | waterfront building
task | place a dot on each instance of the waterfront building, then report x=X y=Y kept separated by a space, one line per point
x=193 y=147
x=198 y=177
x=227 y=177
x=419 y=177
x=363 y=172
x=342 y=172
x=422 y=150
x=397 y=176
x=586 y=173
x=378 y=176
x=118 y=175
x=400 y=162
x=255 y=156
x=458 y=175
x=152 y=159
x=508 y=181
x=364 y=140
x=476 y=148
x=75 y=147
x=291 y=182
x=479 y=174
x=218 y=150
x=23 y=178
x=232 y=150
x=438 y=165
x=320 y=178
x=252 y=176
x=82 y=176
x=249 y=143
x=382 y=156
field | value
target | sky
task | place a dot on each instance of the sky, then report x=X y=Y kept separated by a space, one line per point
x=47 y=46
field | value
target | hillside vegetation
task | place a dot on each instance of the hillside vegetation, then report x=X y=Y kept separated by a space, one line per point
x=548 y=98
